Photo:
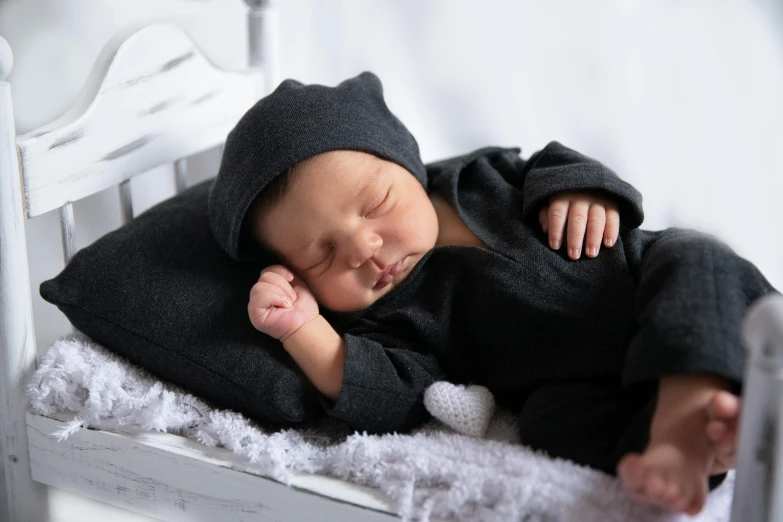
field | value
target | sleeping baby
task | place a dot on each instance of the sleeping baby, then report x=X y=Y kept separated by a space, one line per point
x=391 y=275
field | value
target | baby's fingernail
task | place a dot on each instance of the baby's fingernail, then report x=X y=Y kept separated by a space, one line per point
x=609 y=242
x=591 y=251
x=573 y=252
x=555 y=243
x=290 y=277
x=287 y=302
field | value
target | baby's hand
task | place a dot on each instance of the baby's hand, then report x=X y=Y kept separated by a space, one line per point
x=280 y=303
x=583 y=211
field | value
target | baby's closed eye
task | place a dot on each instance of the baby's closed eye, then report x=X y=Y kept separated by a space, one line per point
x=374 y=212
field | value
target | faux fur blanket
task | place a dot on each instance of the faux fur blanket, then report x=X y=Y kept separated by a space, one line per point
x=433 y=472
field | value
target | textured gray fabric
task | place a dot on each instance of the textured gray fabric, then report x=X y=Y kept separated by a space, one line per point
x=161 y=292
x=292 y=124
x=577 y=347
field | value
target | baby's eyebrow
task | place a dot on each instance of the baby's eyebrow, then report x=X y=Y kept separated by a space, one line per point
x=371 y=179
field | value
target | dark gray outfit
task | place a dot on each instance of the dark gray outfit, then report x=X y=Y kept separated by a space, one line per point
x=575 y=346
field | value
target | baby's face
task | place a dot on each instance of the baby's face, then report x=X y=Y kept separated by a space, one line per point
x=352 y=226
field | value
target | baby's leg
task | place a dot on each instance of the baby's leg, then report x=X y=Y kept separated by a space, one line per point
x=673 y=470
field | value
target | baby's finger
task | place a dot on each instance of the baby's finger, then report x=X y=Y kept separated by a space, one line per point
x=577 y=223
x=278 y=280
x=543 y=218
x=265 y=294
x=596 y=220
x=612 y=225
x=280 y=270
x=556 y=219
x=265 y=297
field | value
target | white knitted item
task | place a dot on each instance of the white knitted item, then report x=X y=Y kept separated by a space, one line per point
x=467 y=410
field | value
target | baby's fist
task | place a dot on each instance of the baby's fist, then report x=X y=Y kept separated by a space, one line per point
x=280 y=303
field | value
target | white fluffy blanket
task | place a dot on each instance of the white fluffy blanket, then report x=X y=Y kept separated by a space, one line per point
x=433 y=472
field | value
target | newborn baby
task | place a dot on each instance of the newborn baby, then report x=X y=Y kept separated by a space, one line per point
x=392 y=275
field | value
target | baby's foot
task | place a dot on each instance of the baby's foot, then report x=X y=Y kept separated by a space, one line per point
x=671 y=474
x=723 y=413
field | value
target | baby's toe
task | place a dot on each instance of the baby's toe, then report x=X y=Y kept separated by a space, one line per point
x=673 y=493
x=717 y=430
x=683 y=499
x=726 y=454
x=697 y=500
x=631 y=471
x=697 y=497
x=655 y=487
x=724 y=405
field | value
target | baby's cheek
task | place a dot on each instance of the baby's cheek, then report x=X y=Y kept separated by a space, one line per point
x=340 y=293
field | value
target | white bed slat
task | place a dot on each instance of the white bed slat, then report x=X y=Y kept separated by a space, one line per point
x=126 y=201
x=151 y=99
x=67 y=232
x=758 y=488
x=181 y=175
x=263 y=40
x=171 y=477
x=26 y=500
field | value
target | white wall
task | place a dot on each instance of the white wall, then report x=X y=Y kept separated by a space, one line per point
x=681 y=98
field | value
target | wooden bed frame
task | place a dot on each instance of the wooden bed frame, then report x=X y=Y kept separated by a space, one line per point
x=151 y=99
x=140 y=109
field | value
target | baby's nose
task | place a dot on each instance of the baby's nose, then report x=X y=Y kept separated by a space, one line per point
x=364 y=247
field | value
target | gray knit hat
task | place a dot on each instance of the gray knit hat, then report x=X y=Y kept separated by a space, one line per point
x=292 y=124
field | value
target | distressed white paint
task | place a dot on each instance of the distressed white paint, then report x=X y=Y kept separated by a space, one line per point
x=758 y=488
x=67 y=232
x=181 y=175
x=26 y=500
x=6 y=59
x=126 y=201
x=263 y=40
x=174 y=478
x=151 y=99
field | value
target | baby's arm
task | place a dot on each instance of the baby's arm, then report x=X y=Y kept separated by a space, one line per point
x=376 y=382
x=569 y=186
x=282 y=307
x=320 y=352
x=555 y=185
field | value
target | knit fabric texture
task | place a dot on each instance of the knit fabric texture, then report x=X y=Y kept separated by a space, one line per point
x=465 y=409
x=292 y=124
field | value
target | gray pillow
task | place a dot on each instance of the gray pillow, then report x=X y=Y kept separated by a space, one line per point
x=161 y=292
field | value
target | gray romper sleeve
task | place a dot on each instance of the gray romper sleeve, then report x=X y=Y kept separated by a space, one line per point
x=556 y=168
x=383 y=384
x=693 y=291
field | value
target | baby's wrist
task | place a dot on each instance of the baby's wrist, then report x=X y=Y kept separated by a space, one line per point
x=301 y=329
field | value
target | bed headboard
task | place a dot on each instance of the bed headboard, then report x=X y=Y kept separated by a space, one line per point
x=152 y=98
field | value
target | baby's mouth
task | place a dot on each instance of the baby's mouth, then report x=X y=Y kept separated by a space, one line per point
x=388 y=275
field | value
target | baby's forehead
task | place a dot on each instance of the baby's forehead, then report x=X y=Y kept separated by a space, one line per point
x=350 y=176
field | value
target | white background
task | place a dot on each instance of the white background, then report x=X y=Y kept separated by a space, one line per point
x=681 y=98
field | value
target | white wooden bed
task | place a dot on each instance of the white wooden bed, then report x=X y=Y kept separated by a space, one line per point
x=157 y=69
x=164 y=475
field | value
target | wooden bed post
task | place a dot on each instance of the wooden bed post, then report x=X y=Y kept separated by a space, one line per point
x=758 y=487
x=26 y=500
x=262 y=40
